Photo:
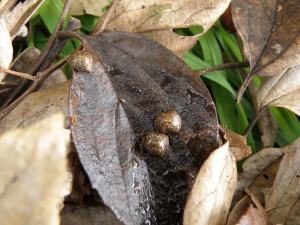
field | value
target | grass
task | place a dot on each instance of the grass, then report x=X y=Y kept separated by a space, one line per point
x=215 y=47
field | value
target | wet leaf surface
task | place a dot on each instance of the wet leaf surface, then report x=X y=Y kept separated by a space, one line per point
x=33 y=164
x=281 y=91
x=211 y=195
x=137 y=79
x=270 y=35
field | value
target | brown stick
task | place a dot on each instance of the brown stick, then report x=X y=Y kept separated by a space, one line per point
x=254 y=120
x=23 y=75
x=43 y=54
x=100 y=26
x=37 y=81
x=226 y=66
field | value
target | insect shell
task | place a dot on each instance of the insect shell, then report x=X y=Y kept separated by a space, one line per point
x=81 y=61
x=155 y=143
x=168 y=121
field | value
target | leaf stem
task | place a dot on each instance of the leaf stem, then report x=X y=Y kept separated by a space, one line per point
x=101 y=25
x=19 y=74
x=243 y=88
x=37 y=81
x=226 y=66
x=254 y=120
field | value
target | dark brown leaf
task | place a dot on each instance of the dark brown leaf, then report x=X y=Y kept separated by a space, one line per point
x=115 y=105
x=270 y=31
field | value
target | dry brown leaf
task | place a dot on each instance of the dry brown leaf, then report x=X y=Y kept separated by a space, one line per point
x=212 y=191
x=237 y=144
x=266 y=122
x=163 y=16
x=270 y=34
x=286 y=188
x=281 y=91
x=238 y=210
x=6 y=49
x=33 y=165
x=252 y=216
x=88 y=215
x=18 y=16
x=37 y=106
x=255 y=167
x=92 y=7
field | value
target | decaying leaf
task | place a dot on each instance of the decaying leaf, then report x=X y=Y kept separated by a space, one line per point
x=256 y=169
x=160 y=17
x=238 y=210
x=108 y=130
x=281 y=91
x=5 y=48
x=37 y=106
x=237 y=144
x=92 y=7
x=270 y=35
x=286 y=188
x=33 y=167
x=252 y=216
x=211 y=195
x=17 y=16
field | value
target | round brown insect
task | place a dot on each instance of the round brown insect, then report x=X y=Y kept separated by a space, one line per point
x=81 y=61
x=155 y=143
x=168 y=121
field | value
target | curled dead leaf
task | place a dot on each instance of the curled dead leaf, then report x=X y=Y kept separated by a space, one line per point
x=212 y=191
x=256 y=168
x=281 y=91
x=237 y=144
x=286 y=188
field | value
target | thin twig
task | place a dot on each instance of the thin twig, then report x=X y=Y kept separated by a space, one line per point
x=101 y=25
x=53 y=36
x=72 y=25
x=42 y=56
x=226 y=66
x=38 y=80
x=243 y=88
x=254 y=120
x=71 y=34
x=8 y=83
x=19 y=74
